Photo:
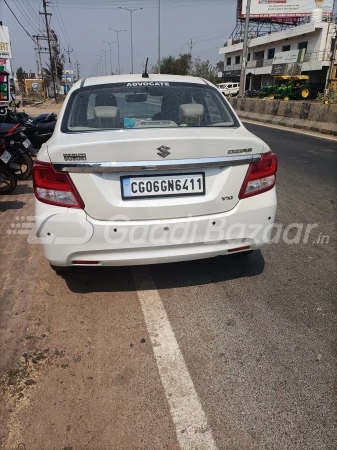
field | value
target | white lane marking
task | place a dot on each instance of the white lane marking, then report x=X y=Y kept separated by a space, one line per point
x=292 y=130
x=188 y=416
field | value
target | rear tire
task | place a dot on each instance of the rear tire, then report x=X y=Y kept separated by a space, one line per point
x=26 y=167
x=8 y=181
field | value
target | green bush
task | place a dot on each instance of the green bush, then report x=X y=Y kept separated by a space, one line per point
x=331 y=97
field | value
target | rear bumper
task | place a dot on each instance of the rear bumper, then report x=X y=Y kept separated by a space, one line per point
x=70 y=235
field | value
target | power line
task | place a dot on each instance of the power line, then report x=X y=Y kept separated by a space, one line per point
x=26 y=17
x=62 y=25
x=32 y=13
x=18 y=20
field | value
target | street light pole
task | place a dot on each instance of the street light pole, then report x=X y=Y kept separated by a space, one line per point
x=131 y=11
x=107 y=42
x=244 y=53
x=100 y=63
x=105 y=52
x=118 y=31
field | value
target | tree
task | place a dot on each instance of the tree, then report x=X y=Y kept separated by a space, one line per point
x=20 y=75
x=183 y=65
x=204 y=69
x=220 y=66
x=174 y=66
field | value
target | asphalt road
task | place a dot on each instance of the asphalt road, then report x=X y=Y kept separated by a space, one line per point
x=225 y=353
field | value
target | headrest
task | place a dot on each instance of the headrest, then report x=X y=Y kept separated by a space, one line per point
x=191 y=110
x=105 y=99
x=106 y=112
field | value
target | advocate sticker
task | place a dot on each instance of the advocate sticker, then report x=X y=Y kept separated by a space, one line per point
x=148 y=83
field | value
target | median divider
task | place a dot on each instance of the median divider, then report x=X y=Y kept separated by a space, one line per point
x=307 y=116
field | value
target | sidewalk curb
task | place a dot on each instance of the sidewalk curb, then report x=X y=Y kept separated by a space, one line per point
x=307 y=125
x=306 y=116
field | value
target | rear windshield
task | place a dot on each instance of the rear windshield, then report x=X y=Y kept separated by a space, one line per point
x=146 y=105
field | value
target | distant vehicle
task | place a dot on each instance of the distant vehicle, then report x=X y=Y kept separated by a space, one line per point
x=287 y=87
x=229 y=89
x=125 y=180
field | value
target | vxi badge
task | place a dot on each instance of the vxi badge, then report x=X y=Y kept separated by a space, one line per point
x=240 y=150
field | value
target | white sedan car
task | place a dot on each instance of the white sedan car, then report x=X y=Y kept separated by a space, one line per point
x=146 y=170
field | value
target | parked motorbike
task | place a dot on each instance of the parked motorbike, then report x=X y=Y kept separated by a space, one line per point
x=8 y=178
x=38 y=130
x=42 y=118
x=19 y=147
x=252 y=93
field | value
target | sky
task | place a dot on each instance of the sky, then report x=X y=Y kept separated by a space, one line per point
x=84 y=25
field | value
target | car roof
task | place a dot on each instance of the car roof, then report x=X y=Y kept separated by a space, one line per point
x=133 y=78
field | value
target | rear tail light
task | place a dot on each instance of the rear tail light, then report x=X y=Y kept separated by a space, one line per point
x=261 y=176
x=55 y=188
x=86 y=263
x=238 y=249
x=11 y=131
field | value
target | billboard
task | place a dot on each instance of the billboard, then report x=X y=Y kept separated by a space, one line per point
x=276 y=9
x=292 y=56
x=288 y=63
x=291 y=69
x=5 y=44
x=33 y=86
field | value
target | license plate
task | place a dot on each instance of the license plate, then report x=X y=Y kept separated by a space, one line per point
x=5 y=157
x=175 y=185
x=26 y=143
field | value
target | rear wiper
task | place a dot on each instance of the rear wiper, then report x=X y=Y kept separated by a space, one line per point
x=86 y=100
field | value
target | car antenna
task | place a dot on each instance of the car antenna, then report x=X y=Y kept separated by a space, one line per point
x=145 y=74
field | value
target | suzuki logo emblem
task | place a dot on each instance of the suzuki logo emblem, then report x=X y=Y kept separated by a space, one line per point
x=163 y=151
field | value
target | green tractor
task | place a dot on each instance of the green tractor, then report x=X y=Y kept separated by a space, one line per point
x=288 y=87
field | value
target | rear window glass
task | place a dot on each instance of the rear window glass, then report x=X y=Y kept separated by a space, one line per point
x=145 y=105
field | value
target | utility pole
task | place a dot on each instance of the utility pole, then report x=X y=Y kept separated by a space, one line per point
x=49 y=46
x=131 y=11
x=36 y=56
x=191 y=48
x=332 y=59
x=118 y=31
x=159 y=36
x=244 y=53
x=40 y=64
x=78 y=69
x=69 y=61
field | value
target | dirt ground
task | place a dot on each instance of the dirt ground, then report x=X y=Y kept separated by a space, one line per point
x=46 y=107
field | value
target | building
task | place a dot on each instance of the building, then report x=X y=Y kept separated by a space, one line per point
x=68 y=79
x=315 y=37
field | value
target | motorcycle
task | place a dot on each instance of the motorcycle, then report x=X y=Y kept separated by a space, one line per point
x=8 y=179
x=42 y=118
x=252 y=93
x=38 y=130
x=19 y=147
